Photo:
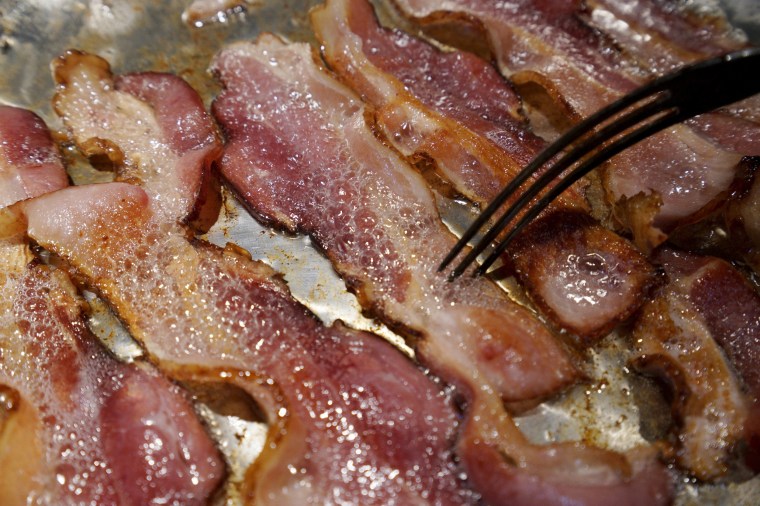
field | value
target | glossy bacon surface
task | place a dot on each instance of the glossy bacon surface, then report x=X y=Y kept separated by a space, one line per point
x=700 y=328
x=549 y=46
x=351 y=419
x=78 y=426
x=584 y=276
x=456 y=110
x=167 y=127
x=85 y=428
x=373 y=216
x=29 y=162
x=663 y=36
x=301 y=155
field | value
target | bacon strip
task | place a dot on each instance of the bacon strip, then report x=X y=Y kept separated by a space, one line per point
x=663 y=36
x=79 y=427
x=29 y=162
x=705 y=317
x=301 y=156
x=548 y=50
x=741 y=218
x=456 y=110
x=351 y=419
x=165 y=132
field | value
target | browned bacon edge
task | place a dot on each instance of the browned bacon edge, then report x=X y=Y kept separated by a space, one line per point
x=78 y=426
x=342 y=186
x=699 y=332
x=549 y=50
x=182 y=121
x=456 y=110
x=351 y=418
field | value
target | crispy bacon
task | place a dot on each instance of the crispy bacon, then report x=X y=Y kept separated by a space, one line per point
x=351 y=419
x=704 y=324
x=455 y=109
x=79 y=427
x=548 y=50
x=301 y=156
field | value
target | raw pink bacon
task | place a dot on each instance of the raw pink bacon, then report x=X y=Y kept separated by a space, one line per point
x=456 y=110
x=80 y=427
x=351 y=419
x=701 y=327
x=301 y=155
x=547 y=46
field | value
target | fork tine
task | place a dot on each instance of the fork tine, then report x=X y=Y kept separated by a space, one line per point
x=544 y=156
x=668 y=119
x=555 y=170
x=736 y=79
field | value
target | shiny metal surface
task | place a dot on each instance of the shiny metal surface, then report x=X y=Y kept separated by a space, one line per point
x=616 y=409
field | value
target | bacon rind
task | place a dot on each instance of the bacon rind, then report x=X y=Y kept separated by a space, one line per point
x=456 y=110
x=275 y=98
x=351 y=418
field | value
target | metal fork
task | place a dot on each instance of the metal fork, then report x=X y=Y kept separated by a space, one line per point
x=670 y=99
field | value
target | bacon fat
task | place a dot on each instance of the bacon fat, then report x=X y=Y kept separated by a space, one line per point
x=456 y=110
x=350 y=418
x=703 y=326
x=79 y=427
x=301 y=156
x=549 y=46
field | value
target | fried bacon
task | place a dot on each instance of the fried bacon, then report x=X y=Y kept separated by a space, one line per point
x=456 y=110
x=79 y=427
x=703 y=326
x=553 y=55
x=663 y=36
x=351 y=419
x=167 y=127
x=302 y=157
x=372 y=215
x=29 y=162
